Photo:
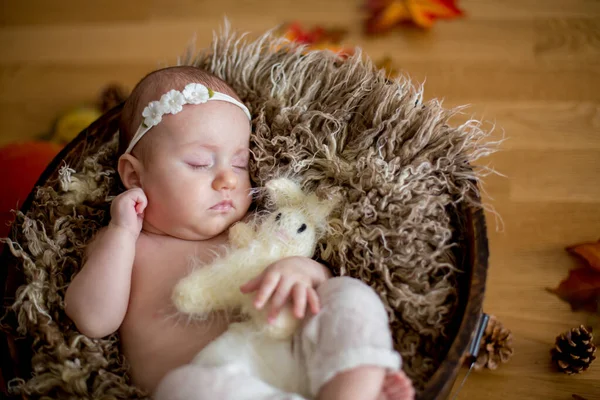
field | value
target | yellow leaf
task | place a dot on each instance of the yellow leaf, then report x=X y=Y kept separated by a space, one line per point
x=394 y=13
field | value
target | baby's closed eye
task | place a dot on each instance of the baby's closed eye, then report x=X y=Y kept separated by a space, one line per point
x=199 y=161
x=240 y=162
x=199 y=164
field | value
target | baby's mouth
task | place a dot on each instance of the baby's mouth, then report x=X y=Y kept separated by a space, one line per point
x=224 y=205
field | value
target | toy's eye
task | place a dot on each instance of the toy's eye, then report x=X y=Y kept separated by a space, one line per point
x=278 y=217
x=302 y=228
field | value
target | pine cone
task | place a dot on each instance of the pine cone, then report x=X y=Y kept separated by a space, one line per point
x=496 y=345
x=574 y=350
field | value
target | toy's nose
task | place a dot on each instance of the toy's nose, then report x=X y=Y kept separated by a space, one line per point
x=281 y=234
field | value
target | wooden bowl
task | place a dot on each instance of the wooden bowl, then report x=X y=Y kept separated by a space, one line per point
x=471 y=256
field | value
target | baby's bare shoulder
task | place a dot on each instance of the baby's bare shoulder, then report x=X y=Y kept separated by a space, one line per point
x=175 y=252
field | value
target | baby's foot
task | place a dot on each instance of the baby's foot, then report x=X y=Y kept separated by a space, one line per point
x=397 y=386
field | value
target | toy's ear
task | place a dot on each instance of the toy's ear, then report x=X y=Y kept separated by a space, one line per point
x=320 y=209
x=284 y=191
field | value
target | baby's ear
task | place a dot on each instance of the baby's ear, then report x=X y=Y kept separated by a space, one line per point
x=284 y=191
x=130 y=171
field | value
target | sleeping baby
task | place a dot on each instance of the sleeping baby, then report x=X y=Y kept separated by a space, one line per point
x=184 y=145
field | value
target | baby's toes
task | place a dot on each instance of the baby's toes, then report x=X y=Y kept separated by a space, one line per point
x=397 y=386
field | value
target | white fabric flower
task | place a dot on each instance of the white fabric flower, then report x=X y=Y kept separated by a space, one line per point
x=153 y=114
x=172 y=101
x=196 y=93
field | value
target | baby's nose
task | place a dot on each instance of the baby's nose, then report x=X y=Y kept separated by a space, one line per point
x=225 y=180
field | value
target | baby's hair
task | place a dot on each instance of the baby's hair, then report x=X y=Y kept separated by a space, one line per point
x=153 y=86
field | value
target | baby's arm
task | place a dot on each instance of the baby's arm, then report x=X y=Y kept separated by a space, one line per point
x=97 y=298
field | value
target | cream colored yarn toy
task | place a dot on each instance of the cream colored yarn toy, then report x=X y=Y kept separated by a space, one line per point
x=255 y=346
x=292 y=230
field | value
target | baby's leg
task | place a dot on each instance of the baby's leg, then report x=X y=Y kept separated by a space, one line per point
x=193 y=382
x=348 y=347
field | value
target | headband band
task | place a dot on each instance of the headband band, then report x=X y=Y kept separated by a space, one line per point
x=173 y=101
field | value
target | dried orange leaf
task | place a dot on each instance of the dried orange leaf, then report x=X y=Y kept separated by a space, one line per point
x=385 y=14
x=588 y=252
x=581 y=289
x=388 y=17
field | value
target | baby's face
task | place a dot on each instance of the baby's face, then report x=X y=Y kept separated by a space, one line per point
x=196 y=176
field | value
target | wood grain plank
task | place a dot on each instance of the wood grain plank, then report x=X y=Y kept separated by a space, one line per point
x=513 y=42
x=84 y=44
x=539 y=125
x=519 y=10
x=40 y=12
x=73 y=11
x=572 y=39
x=479 y=82
x=548 y=176
x=494 y=385
x=32 y=97
x=64 y=82
x=109 y=11
x=456 y=82
x=128 y=41
x=544 y=226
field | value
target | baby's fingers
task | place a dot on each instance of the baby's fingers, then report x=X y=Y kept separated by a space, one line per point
x=140 y=205
x=280 y=297
x=313 y=300
x=299 y=293
x=269 y=283
x=253 y=284
x=139 y=199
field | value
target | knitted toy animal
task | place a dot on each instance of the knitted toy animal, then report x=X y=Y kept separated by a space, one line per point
x=292 y=230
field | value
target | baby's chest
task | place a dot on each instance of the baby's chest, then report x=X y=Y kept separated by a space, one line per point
x=157 y=269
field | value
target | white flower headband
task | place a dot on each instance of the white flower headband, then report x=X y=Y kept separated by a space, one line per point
x=173 y=101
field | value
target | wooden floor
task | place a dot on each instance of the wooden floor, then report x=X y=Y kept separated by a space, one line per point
x=530 y=67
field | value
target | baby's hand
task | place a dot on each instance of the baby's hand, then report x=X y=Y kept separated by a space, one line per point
x=127 y=210
x=295 y=277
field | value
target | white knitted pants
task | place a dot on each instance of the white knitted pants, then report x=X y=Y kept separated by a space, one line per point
x=351 y=330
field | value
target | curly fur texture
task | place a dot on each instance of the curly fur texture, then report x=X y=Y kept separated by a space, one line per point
x=341 y=128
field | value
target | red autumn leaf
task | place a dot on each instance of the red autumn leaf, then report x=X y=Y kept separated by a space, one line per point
x=588 y=252
x=581 y=289
x=318 y=38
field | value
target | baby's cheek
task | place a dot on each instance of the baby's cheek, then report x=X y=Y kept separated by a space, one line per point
x=179 y=189
x=166 y=200
x=245 y=199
